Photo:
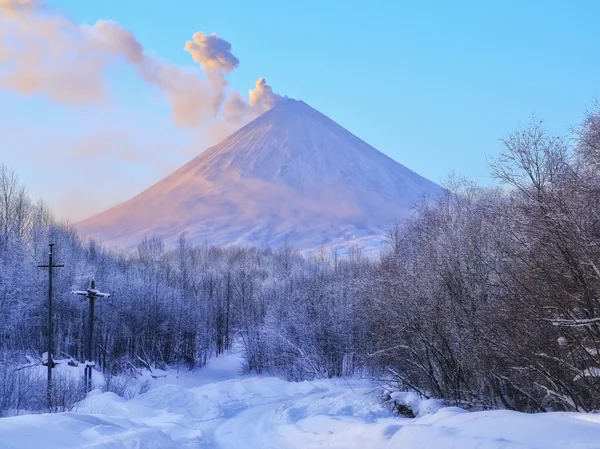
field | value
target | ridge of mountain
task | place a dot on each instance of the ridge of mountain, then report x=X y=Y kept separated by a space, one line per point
x=291 y=175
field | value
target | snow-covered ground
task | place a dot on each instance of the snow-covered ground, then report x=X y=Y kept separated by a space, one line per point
x=217 y=408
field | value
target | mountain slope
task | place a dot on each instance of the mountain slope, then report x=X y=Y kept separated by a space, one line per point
x=290 y=175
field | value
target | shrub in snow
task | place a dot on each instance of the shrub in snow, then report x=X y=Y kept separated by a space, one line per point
x=411 y=404
x=23 y=389
x=128 y=385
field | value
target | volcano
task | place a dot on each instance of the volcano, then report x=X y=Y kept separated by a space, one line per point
x=290 y=176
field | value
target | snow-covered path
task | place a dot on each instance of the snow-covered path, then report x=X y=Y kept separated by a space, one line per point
x=218 y=409
x=327 y=415
x=233 y=411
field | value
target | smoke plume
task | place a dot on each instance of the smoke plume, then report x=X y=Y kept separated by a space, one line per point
x=44 y=53
x=262 y=96
x=47 y=55
x=212 y=52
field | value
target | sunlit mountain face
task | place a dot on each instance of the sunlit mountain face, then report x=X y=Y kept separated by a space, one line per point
x=290 y=176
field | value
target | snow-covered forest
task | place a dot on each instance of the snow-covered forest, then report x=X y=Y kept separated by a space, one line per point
x=487 y=297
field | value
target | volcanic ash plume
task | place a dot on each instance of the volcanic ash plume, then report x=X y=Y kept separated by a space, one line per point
x=263 y=97
x=14 y=6
x=192 y=98
x=212 y=52
x=44 y=53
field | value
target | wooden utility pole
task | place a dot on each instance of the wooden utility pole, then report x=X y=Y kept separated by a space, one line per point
x=91 y=294
x=50 y=362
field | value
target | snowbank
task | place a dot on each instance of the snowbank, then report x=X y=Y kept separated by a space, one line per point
x=217 y=408
x=454 y=428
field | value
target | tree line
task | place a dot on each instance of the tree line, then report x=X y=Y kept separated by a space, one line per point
x=485 y=296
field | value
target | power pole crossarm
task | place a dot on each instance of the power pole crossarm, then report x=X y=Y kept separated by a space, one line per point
x=95 y=293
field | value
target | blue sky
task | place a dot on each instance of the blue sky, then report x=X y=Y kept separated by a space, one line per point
x=433 y=84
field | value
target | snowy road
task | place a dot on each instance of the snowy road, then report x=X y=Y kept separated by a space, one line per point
x=266 y=412
x=328 y=416
x=218 y=409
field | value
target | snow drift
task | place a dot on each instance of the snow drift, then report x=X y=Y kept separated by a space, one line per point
x=217 y=408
